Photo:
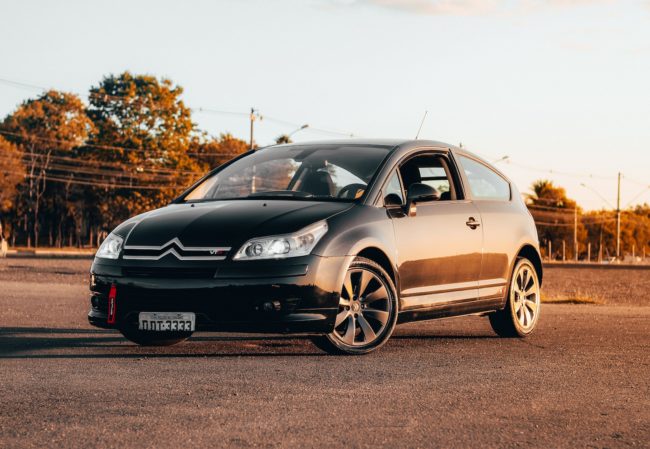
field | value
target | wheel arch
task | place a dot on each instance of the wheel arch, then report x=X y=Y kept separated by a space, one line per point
x=531 y=253
x=377 y=255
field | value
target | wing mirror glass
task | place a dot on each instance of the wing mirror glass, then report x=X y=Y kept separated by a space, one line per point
x=419 y=193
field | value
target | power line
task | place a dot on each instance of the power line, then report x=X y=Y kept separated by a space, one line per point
x=22 y=85
x=96 y=164
x=558 y=208
x=557 y=172
x=26 y=136
x=59 y=170
x=110 y=185
x=217 y=112
x=571 y=225
x=297 y=125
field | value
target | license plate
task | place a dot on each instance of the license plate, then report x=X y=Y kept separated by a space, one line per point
x=166 y=321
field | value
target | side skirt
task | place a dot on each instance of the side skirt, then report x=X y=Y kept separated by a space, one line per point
x=456 y=308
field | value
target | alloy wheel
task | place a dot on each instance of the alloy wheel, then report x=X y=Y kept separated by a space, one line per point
x=525 y=296
x=364 y=308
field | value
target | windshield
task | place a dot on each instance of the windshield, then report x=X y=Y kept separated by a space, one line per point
x=322 y=172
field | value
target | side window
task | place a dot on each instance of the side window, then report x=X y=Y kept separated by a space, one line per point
x=429 y=169
x=436 y=177
x=484 y=183
x=394 y=186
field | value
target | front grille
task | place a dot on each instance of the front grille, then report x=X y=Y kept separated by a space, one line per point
x=169 y=273
x=174 y=248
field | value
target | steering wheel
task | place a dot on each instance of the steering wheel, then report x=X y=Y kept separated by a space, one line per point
x=351 y=188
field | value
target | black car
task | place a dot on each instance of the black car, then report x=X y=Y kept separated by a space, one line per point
x=341 y=240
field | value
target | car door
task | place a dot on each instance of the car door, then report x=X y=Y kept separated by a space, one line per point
x=492 y=195
x=440 y=245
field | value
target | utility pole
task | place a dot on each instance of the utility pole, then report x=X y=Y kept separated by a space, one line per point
x=618 y=220
x=255 y=114
x=575 y=233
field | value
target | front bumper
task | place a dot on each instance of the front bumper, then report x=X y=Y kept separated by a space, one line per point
x=299 y=295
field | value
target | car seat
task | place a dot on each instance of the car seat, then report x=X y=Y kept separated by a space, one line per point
x=318 y=183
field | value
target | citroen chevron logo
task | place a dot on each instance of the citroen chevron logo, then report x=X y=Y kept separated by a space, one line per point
x=177 y=249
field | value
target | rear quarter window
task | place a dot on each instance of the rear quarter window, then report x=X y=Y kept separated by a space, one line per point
x=485 y=183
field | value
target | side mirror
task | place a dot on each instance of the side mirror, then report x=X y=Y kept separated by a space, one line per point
x=419 y=193
x=392 y=200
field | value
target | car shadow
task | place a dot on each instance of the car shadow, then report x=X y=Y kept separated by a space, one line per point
x=70 y=343
x=58 y=343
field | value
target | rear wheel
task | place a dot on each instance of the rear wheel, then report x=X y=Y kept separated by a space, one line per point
x=521 y=314
x=149 y=338
x=367 y=312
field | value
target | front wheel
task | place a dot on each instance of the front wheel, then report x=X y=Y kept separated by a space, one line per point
x=367 y=314
x=150 y=338
x=521 y=314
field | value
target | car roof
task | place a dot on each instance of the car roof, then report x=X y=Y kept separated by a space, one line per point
x=394 y=143
x=397 y=145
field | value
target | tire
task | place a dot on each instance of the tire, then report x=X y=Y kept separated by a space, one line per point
x=148 y=338
x=521 y=313
x=368 y=310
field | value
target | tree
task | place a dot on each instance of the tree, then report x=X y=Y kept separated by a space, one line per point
x=54 y=123
x=554 y=215
x=211 y=152
x=284 y=138
x=545 y=193
x=152 y=126
x=12 y=173
x=635 y=230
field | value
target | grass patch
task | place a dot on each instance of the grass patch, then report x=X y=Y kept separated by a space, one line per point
x=574 y=299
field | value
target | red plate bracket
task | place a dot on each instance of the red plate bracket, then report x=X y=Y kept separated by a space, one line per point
x=112 y=304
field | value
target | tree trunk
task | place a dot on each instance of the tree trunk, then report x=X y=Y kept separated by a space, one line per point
x=36 y=229
x=58 y=235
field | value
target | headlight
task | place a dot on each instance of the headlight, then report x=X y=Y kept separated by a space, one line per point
x=111 y=247
x=281 y=246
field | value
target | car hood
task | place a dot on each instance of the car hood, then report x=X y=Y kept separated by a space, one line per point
x=226 y=223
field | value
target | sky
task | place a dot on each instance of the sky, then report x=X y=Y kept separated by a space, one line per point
x=560 y=87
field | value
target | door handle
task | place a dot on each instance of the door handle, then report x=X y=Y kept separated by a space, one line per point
x=472 y=223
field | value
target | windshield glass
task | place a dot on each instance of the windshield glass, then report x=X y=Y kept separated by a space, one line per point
x=323 y=172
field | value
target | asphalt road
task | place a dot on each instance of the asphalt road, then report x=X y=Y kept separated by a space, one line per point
x=582 y=380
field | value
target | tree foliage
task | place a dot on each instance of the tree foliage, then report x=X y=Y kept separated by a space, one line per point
x=555 y=216
x=545 y=193
x=87 y=168
x=12 y=172
x=284 y=138
x=49 y=126
x=211 y=152
x=146 y=116
x=635 y=231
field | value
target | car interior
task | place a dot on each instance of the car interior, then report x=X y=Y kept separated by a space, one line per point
x=431 y=170
x=328 y=180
